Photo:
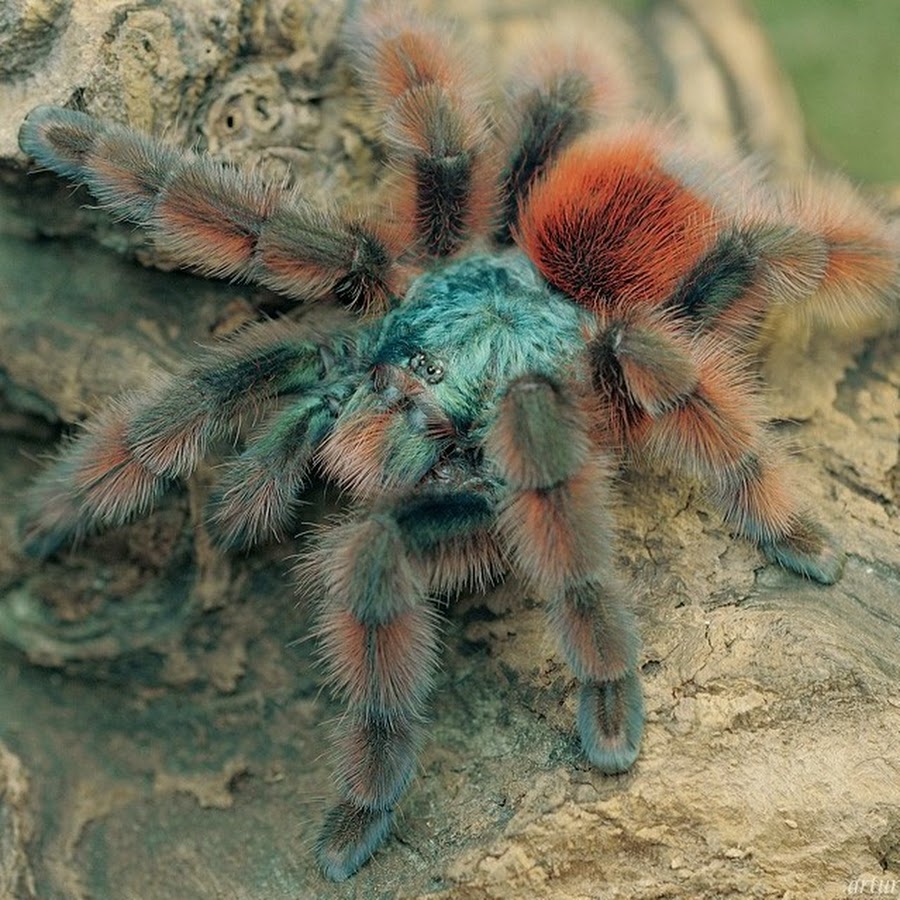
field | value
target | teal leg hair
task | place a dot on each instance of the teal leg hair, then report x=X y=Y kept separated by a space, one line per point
x=598 y=637
x=378 y=637
x=760 y=503
x=258 y=494
x=557 y=524
x=808 y=550
x=717 y=433
x=142 y=443
x=611 y=722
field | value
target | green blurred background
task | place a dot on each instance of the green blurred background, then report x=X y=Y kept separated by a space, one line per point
x=844 y=59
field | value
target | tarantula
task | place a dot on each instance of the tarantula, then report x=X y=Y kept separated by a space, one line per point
x=541 y=302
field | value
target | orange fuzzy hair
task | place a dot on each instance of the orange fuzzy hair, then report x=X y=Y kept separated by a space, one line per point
x=609 y=224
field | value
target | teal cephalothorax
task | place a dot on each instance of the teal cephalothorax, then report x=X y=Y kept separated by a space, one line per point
x=441 y=362
x=467 y=329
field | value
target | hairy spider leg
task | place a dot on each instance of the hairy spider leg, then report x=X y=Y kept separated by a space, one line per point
x=434 y=124
x=826 y=254
x=378 y=639
x=716 y=432
x=861 y=272
x=215 y=218
x=453 y=532
x=258 y=493
x=691 y=405
x=129 y=454
x=558 y=525
x=758 y=497
x=558 y=94
x=641 y=364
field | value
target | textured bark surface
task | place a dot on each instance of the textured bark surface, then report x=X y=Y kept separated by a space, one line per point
x=160 y=711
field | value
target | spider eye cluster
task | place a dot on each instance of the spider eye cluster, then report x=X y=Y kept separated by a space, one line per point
x=426 y=368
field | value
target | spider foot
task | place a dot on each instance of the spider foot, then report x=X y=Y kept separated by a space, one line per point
x=349 y=837
x=611 y=723
x=809 y=551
